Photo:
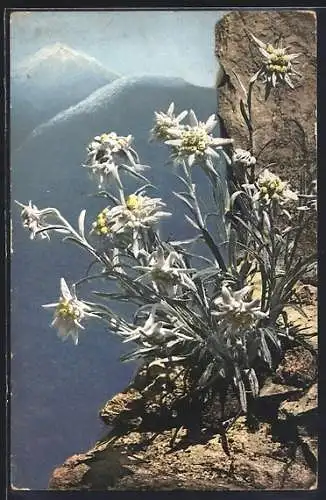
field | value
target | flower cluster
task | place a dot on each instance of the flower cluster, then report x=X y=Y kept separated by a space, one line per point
x=271 y=187
x=137 y=211
x=165 y=121
x=277 y=66
x=104 y=145
x=191 y=142
x=149 y=334
x=194 y=142
x=101 y=226
x=69 y=313
x=34 y=220
x=107 y=153
x=235 y=312
x=167 y=273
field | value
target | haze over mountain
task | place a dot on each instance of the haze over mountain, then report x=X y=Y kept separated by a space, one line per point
x=54 y=78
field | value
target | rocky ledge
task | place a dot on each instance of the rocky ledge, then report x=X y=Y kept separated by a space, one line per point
x=150 y=446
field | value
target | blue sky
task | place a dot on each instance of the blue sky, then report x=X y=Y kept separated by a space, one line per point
x=172 y=43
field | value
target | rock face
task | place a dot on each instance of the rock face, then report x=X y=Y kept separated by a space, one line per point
x=284 y=124
x=276 y=448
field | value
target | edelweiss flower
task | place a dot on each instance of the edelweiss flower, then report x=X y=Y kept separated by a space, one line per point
x=108 y=153
x=152 y=332
x=235 y=312
x=277 y=66
x=271 y=187
x=137 y=211
x=167 y=273
x=194 y=142
x=34 y=219
x=105 y=172
x=243 y=157
x=106 y=144
x=69 y=312
x=165 y=121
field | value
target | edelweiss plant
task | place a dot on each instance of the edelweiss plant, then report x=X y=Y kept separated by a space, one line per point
x=69 y=312
x=201 y=313
x=277 y=66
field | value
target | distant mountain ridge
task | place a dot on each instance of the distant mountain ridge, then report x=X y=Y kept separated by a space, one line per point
x=112 y=92
x=54 y=78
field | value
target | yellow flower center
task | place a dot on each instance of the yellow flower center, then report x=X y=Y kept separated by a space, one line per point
x=101 y=225
x=104 y=137
x=133 y=202
x=66 y=310
x=278 y=62
x=271 y=188
x=162 y=126
x=194 y=141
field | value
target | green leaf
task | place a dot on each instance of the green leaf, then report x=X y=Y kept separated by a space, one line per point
x=253 y=381
x=232 y=246
x=206 y=375
x=76 y=241
x=134 y=173
x=271 y=333
x=184 y=181
x=183 y=198
x=234 y=196
x=113 y=296
x=245 y=115
x=207 y=272
x=240 y=83
x=81 y=223
x=265 y=350
x=193 y=223
x=105 y=194
x=242 y=395
x=139 y=353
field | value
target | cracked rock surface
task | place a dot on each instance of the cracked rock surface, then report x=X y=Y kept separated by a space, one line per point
x=286 y=124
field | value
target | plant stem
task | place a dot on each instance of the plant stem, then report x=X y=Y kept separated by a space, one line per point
x=251 y=130
x=200 y=221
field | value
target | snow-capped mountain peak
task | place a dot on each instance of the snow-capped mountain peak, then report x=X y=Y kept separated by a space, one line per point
x=51 y=80
x=59 y=55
